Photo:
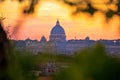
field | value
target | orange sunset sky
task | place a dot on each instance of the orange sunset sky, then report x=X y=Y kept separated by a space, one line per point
x=45 y=16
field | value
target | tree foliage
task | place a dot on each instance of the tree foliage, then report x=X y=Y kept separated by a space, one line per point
x=91 y=64
x=91 y=9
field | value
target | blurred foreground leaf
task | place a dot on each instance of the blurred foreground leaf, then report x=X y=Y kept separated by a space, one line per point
x=91 y=64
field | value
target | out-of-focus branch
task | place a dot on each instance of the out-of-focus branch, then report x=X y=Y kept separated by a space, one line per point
x=77 y=3
x=91 y=9
x=31 y=7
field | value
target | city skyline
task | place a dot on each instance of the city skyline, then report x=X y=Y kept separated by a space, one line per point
x=74 y=37
x=57 y=43
x=37 y=34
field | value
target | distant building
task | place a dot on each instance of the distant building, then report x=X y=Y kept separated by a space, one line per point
x=58 y=44
x=57 y=33
x=58 y=38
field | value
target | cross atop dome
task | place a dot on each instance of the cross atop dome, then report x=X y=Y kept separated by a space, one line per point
x=57 y=23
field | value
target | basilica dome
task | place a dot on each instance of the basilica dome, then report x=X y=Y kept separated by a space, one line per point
x=57 y=29
x=57 y=33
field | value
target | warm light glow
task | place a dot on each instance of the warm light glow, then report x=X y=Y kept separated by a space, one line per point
x=49 y=8
x=9 y=11
x=47 y=12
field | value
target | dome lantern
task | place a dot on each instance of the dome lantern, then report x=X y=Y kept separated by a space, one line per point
x=57 y=23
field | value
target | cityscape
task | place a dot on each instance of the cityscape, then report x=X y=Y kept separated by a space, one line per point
x=58 y=44
x=59 y=39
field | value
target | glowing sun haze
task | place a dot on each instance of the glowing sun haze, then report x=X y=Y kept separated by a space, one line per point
x=46 y=14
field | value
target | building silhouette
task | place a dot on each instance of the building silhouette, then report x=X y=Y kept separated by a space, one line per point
x=59 y=45
x=57 y=33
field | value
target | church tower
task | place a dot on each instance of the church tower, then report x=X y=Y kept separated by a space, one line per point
x=57 y=33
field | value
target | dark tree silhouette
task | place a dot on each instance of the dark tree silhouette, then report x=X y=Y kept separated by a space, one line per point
x=4 y=58
x=90 y=9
